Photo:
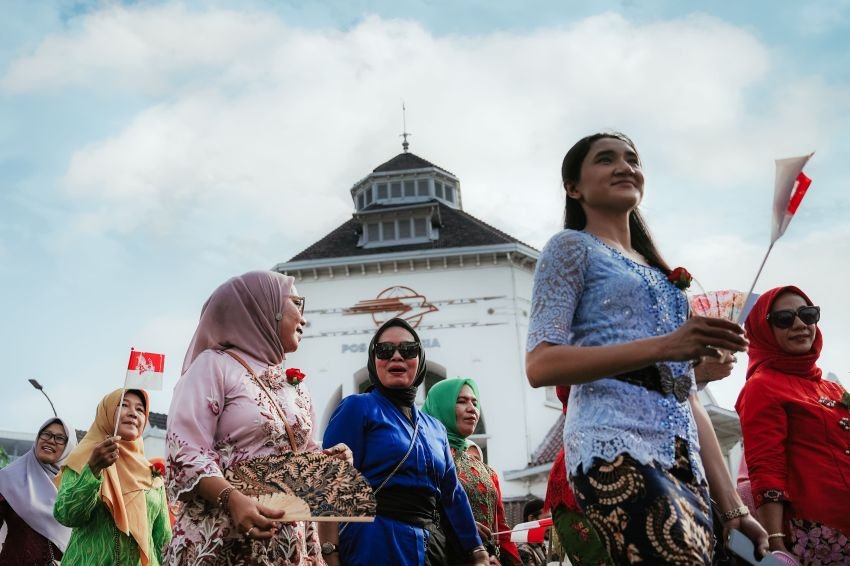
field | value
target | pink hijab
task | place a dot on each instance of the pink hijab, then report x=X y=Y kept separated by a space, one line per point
x=244 y=313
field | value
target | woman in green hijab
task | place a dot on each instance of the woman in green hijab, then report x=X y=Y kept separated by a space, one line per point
x=454 y=402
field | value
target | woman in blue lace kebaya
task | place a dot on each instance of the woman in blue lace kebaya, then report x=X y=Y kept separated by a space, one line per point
x=641 y=452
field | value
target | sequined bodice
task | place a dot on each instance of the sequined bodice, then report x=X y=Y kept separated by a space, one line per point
x=588 y=294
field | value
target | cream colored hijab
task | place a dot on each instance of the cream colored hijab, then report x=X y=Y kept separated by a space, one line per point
x=125 y=482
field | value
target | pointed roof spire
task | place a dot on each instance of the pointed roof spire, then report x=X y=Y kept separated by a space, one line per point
x=405 y=145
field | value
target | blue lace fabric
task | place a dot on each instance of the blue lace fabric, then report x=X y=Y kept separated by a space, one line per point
x=588 y=294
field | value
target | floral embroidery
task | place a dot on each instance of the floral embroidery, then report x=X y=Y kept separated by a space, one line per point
x=582 y=530
x=827 y=402
x=273 y=377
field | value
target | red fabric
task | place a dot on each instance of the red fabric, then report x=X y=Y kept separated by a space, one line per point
x=764 y=351
x=563 y=393
x=795 y=427
x=796 y=444
x=558 y=491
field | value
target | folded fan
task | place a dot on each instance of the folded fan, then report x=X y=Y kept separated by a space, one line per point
x=307 y=486
x=726 y=304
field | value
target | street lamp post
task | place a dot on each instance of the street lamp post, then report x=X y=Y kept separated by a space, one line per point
x=38 y=386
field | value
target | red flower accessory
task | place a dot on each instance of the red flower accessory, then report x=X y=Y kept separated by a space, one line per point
x=295 y=376
x=157 y=469
x=681 y=278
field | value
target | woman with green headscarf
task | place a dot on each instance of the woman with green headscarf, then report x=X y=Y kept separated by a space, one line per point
x=454 y=402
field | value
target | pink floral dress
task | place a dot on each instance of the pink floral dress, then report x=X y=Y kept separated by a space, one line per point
x=220 y=418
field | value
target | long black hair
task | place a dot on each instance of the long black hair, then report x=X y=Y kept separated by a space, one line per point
x=574 y=216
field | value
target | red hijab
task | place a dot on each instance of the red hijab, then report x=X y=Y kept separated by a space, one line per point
x=765 y=352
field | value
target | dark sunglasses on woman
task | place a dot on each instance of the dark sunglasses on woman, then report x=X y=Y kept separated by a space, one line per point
x=785 y=318
x=385 y=350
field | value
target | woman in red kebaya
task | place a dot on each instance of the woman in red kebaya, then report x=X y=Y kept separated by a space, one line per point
x=797 y=432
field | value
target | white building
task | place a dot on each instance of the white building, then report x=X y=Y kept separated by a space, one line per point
x=410 y=250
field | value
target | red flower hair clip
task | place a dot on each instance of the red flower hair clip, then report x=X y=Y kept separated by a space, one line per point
x=681 y=278
x=295 y=376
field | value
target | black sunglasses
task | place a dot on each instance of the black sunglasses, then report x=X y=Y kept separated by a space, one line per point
x=785 y=319
x=408 y=350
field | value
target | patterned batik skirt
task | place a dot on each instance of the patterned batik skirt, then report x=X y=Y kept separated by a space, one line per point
x=647 y=514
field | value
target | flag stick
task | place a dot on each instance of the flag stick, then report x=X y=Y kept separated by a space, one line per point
x=753 y=286
x=121 y=402
x=118 y=410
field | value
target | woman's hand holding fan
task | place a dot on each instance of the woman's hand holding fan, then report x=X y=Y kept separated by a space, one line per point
x=727 y=305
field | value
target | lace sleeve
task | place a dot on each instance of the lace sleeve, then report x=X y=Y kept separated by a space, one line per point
x=558 y=285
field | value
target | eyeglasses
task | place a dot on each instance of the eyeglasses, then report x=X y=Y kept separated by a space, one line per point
x=300 y=302
x=59 y=439
x=408 y=350
x=785 y=318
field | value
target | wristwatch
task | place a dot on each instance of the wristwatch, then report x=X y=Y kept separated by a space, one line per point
x=329 y=548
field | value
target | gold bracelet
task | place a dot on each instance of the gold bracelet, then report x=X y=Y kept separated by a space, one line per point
x=223 y=498
x=775 y=535
x=735 y=513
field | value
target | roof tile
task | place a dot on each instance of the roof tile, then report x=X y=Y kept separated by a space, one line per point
x=459 y=229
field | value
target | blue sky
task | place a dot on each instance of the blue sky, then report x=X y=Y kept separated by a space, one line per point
x=128 y=130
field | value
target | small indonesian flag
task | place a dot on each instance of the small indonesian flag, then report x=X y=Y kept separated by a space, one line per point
x=144 y=370
x=532 y=531
x=791 y=186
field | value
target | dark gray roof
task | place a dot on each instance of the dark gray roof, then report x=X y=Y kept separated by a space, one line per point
x=458 y=230
x=404 y=162
x=551 y=444
x=158 y=420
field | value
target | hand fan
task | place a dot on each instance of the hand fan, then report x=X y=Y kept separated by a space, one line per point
x=726 y=304
x=308 y=486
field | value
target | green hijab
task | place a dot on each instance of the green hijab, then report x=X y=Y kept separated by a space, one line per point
x=441 y=404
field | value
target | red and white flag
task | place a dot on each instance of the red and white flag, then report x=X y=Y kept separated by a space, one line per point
x=532 y=531
x=144 y=370
x=791 y=186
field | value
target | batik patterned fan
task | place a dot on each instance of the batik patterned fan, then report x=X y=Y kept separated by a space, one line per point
x=308 y=486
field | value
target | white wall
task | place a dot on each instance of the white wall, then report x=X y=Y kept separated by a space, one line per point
x=479 y=331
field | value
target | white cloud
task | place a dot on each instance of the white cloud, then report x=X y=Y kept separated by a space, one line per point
x=264 y=127
x=146 y=48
